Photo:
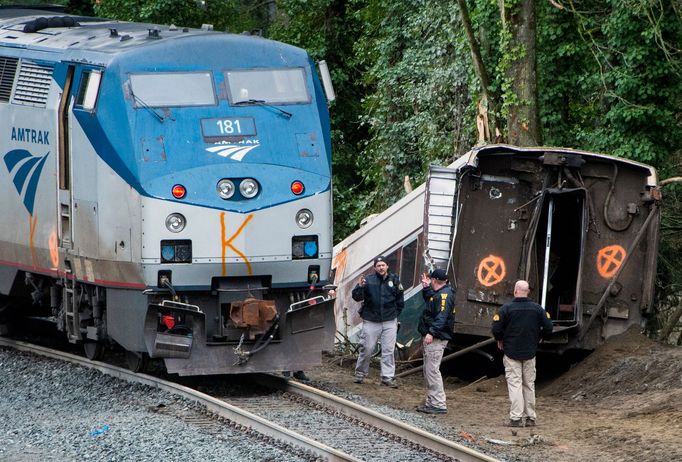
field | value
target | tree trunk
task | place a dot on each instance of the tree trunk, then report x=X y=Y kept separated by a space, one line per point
x=489 y=99
x=523 y=121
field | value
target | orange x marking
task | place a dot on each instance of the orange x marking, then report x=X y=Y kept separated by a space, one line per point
x=228 y=243
x=491 y=270
x=609 y=260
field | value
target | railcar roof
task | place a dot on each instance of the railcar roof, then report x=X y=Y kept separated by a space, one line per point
x=518 y=150
x=99 y=35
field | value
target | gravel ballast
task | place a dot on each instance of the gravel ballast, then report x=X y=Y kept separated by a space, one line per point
x=55 y=411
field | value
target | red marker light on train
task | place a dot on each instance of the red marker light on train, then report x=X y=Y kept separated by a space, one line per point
x=178 y=191
x=168 y=321
x=297 y=188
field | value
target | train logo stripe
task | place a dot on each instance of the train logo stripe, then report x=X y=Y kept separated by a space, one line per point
x=27 y=175
x=233 y=151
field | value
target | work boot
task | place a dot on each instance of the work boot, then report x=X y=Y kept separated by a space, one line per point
x=389 y=383
x=358 y=379
x=300 y=375
x=515 y=423
x=530 y=422
x=426 y=409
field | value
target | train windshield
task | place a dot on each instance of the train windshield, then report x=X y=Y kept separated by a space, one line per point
x=173 y=89
x=281 y=86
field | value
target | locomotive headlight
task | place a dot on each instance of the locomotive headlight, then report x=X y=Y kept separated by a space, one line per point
x=225 y=189
x=304 y=218
x=248 y=187
x=175 y=222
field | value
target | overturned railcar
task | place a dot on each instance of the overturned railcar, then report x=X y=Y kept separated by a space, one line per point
x=581 y=227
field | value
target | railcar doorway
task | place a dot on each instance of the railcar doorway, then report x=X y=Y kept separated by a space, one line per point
x=559 y=243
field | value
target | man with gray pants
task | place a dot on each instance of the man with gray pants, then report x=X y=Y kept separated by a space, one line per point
x=437 y=326
x=382 y=300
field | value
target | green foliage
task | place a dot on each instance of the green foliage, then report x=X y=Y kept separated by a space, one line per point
x=416 y=93
x=608 y=80
x=223 y=15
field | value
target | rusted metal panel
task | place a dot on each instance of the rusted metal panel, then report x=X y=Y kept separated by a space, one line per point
x=581 y=227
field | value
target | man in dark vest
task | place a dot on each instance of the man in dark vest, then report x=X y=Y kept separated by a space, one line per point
x=437 y=328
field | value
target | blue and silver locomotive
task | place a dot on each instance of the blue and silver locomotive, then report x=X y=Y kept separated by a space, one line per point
x=165 y=188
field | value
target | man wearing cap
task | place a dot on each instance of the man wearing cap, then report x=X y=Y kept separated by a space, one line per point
x=382 y=300
x=437 y=325
x=517 y=327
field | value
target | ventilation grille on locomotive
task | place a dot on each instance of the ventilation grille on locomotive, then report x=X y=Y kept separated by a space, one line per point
x=8 y=69
x=33 y=84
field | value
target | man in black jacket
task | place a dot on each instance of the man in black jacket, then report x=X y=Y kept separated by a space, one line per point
x=437 y=325
x=382 y=297
x=517 y=327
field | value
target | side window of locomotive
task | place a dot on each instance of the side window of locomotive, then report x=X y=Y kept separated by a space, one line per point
x=88 y=90
x=280 y=86
x=173 y=89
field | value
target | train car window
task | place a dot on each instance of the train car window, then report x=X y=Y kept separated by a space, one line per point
x=173 y=89
x=393 y=261
x=409 y=262
x=281 y=86
x=88 y=90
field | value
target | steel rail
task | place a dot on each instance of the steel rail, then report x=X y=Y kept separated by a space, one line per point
x=214 y=405
x=396 y=427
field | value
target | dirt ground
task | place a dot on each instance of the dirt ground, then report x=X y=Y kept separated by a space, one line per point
x=621 y=403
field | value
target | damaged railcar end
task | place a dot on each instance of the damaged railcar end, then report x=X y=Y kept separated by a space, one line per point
x=581 y=227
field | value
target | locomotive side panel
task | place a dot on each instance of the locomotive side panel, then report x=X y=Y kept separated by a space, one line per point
x=28 y=152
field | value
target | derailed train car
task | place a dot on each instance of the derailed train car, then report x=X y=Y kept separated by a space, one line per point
x=165 y=188
x=581 y=227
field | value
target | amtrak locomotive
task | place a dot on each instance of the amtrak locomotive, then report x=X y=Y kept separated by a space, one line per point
x=165 y=188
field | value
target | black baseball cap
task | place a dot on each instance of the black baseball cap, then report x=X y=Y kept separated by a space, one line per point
x=439 y=274
x=378 y=259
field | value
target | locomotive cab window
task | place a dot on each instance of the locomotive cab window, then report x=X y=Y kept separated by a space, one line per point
x=281 y=86
x=173 y=89
x=88 y=90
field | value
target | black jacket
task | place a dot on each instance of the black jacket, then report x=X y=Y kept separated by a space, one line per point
x=520 y=324
x=382 y=297
x=438 y=317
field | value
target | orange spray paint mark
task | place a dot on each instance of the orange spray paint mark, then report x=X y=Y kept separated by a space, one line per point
x=340 y=264
x=491 y=270
x=228 y=243
x=31 y=231
x=54 y=251
x=609 y=260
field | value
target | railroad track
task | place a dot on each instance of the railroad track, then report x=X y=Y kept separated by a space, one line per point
x=334 y=413
x=371 y=421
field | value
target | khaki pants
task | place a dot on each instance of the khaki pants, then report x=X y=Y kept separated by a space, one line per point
x=371 y=333
x=521 y=386
x=433 y=354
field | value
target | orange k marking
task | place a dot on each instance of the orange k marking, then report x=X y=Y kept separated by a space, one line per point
x=228 y=243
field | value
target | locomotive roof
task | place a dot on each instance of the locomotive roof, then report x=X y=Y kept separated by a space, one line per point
x=104 y=37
